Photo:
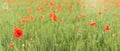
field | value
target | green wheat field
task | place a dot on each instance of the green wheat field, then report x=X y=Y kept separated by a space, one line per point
x=59 y=25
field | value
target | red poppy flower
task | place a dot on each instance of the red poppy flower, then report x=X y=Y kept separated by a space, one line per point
x=100 y=13
x=106 y=1
x=84 y=6
x=8 y=0
x=117 y=4
x=15 y=0
x=82 y=15
x=32 y=1
x=51 y=15
x=11 y=44
x=18 y=33
x=59 y=7
x=51 y=4
x=55 y=19
x=76 y=17
x=38 y=9
x=92 y=23
x=105 y=9
x=47 y=2
x=70 y=9
x=107 y=28
x=31 y=18
x=41 y=17
x=26 y=19
x=30 y=10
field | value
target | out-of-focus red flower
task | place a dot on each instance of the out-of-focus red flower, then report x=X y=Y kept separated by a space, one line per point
x=26 y=19
x=30 y=10
x=105 y=1
x=82 y=15
x=107 y=28
x=15 y=0
x=105 y=9
x=55 y=19
x=18 y=33
x=39 y=9
x=31 y=18
x=51 y=4
x=93 y=23
x=51 y=15
x=8 y=0
x=47 y=2
x=99 y=13
x=117 y=4
x=11 y=44
x=70 y=9
x=76 y=17
x=41 y=17
x=59 y=7
x=84 y=6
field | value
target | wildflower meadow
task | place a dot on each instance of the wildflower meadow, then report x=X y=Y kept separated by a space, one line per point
x=59 y=25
